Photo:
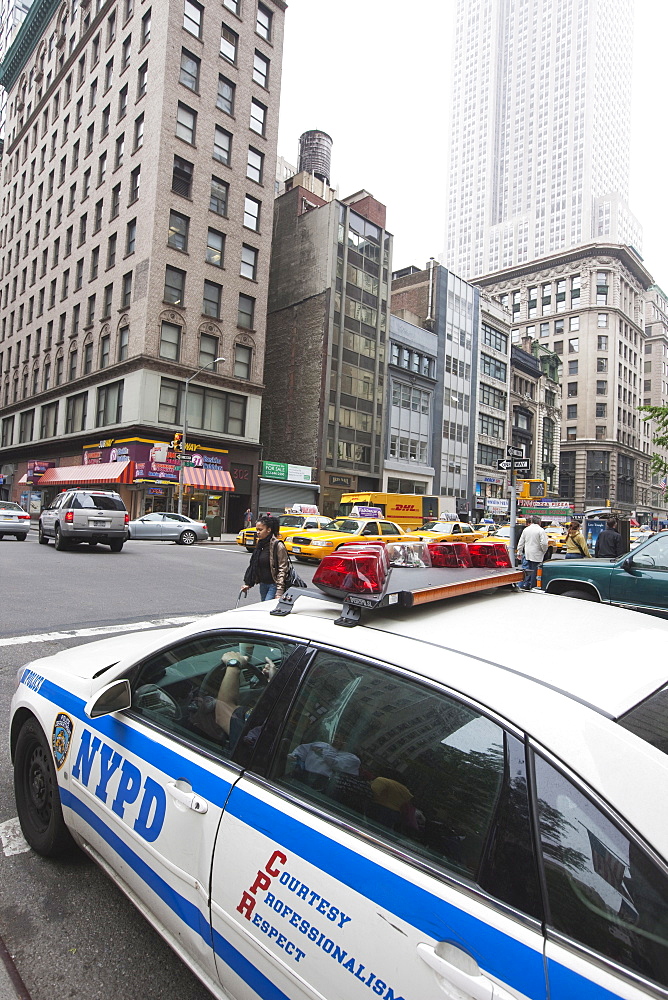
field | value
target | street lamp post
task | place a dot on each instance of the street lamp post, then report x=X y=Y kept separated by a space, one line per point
x=184 y=429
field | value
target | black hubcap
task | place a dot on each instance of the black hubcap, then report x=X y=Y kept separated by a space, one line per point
x=39 y=784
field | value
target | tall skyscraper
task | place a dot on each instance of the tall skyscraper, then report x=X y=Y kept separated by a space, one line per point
x=541 y=122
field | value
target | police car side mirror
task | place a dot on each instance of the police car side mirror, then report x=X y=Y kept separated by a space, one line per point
x=113 y=698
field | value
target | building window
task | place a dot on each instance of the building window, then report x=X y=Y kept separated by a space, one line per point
x=112 y=242
x=261 y=69
x=107 y=300
x=135 y=180
x=215 y=248
x=90 y=315
x=572 y=388
x=222 y=145
x=193 y=17
x=572 y=411
x=26 y=426
x=126 y=290
x=169 y=405
x=598 y=475
x=189 y=74
x=122 y=102
x=263 y=22
x=182 y=177
x=602 y=342
x=212 y=410
x=142 y=79
x=88 y=359
x=491 y=396
x=120 y=149
x=170 y=341
x=572 y=367
x=601 y=409
x=558 y=347
x=571 y=433
x=219 y=194
x=211 y=301
x=246 y=313
x=602 y=321
x=72 y=365
x=494 y=426
x=492 y=367
x=255 y=165
x=258 y=117
x=573 y=345
x=208 y=350
x=544 y=329
x=175 y=281
x=49 y=421
x=130 y=237
x=252 y=213
x=186 y=122
x=109 y=404
x=601 y=432
x=225 y=98
x=487 y=455
x=178 y=231
x=123 y=339
x=105 y=349
x=601 y=387
x=139 y=132
x=242 y=361
x=75 y=413
x=249 y=257
x=229 y=41
x=601 y=364
x=126 y=52
x=232 y=5
x=602 y=288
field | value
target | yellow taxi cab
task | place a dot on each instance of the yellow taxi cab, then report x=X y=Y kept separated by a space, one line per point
x=288 y=523
x=556 y=534
x=450 y=531
x=317 y=544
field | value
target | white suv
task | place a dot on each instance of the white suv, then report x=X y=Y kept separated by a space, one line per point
x=85 y=516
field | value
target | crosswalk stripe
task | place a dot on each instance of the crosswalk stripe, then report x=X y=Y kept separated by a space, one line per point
x=75 y=633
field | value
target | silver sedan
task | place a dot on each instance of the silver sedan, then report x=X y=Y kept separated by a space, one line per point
x=168 y=528
x=13 y=520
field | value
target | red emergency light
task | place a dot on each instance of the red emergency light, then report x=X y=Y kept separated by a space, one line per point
x=352 y=572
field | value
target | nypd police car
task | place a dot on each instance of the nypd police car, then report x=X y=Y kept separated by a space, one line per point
x=359 y=791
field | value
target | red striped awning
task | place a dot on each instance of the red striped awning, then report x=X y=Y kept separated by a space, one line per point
x=208 y=479
x=104 y=472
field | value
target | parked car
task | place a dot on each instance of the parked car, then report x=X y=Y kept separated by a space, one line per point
x=13 y=520
x=417 y=806
x=450 y=531
x=161 y=526
x=91 y=516
x=637 y=579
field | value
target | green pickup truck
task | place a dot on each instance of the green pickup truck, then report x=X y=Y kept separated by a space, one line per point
x=637 y=580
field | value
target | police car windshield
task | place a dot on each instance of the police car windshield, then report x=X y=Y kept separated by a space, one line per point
x=346 y=524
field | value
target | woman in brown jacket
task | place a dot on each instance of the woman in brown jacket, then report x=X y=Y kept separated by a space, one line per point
x=269 y=562
x=576 y=545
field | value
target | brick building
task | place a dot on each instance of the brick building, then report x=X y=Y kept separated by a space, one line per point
x=137 y=194
x=327 y=325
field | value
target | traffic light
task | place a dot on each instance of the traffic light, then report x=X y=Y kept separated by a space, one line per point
x=176 y=442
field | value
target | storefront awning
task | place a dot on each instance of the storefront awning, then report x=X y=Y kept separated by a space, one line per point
x=208 y=479
x=105 y=472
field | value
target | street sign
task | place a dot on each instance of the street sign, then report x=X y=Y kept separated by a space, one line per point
x=514 y=452
x=519 y=464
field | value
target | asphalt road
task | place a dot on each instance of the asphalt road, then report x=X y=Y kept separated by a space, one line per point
x=71 y=932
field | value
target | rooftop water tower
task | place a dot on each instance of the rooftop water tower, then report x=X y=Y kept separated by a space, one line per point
x=315 y=154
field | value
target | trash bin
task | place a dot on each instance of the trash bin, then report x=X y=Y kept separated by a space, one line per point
x=213 y=526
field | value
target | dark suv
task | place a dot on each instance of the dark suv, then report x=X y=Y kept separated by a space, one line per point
x=85 y=516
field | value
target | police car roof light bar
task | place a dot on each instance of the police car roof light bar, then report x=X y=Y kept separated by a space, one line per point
x=362 y=581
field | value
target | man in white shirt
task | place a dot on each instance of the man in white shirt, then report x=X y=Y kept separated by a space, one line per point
x=532 y=545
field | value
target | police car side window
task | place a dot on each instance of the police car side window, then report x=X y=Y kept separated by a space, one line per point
x=396 y=758
x=603 y=890
x=205 y=689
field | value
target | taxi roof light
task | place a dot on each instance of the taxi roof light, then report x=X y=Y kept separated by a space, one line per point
x=352 y=573
x=450 y=554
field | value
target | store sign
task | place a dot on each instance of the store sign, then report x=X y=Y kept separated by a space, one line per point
x=36 y=470
x=155 y=460
x=341 y=481
x=155 y=491
x=495 y=505
x=283 y=470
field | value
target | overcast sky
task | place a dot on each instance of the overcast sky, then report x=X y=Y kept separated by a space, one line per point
x=390 y=137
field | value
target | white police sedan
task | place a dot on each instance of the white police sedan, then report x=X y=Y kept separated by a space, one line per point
x=412 y=808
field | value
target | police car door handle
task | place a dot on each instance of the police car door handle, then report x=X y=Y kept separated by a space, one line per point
x=187 y=798
x=461 y=971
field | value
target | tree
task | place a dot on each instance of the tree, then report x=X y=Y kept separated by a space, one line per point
x=659 y=414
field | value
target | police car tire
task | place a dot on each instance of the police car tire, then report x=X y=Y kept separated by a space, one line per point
x=37 y=795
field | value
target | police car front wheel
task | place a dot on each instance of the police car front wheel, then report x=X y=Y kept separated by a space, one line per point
x=37 y=795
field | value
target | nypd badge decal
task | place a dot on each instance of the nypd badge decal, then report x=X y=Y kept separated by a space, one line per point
x=61 y=738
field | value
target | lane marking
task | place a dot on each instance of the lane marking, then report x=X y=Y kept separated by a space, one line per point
x=13 y=841
x=75 y=633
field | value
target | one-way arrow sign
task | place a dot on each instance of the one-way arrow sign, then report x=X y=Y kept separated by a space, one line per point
x=514 y=452
x=520 y=464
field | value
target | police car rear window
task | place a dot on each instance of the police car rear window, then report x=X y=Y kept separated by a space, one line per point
x=649 y=720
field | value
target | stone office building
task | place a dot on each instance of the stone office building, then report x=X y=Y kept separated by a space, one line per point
x=137 y=196
x=587 y=306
